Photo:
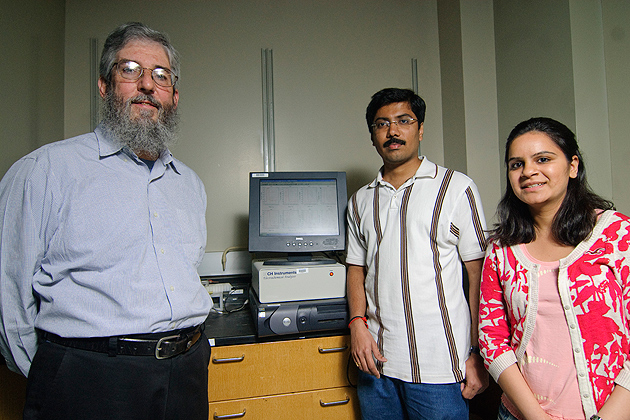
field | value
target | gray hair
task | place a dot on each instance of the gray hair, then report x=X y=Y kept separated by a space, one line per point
x=132 y=31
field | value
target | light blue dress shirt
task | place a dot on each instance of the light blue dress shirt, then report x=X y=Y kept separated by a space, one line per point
x=93 y=243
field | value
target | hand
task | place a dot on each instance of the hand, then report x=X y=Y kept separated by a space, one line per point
x=364 y=349
x=476 y=377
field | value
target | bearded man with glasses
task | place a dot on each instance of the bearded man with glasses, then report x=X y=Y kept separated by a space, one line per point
x=101 y=235
x=409 y=231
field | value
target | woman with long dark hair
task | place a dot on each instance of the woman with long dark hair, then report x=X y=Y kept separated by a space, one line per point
x=555 y=293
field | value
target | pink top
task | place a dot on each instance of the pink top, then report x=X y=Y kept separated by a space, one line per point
x=594 y=285
x=548 y=366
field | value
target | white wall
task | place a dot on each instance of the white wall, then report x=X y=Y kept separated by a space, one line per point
x=534 y=62
x=567 y=59
x=616 y=22
x=31 y=70
x=329 y=58
x=480 y=102
x=591 y=108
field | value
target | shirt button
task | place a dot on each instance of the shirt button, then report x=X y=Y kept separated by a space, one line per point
x=155 y=214
x=172 y=288
x=572 y=326
x=162 y=251
x=577 y=350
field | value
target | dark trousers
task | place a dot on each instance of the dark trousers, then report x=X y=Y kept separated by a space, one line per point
x=72 y=384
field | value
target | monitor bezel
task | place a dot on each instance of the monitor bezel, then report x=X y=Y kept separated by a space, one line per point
x=278 y=243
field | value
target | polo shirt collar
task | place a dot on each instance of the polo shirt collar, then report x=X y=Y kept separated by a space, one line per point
x=427 y=169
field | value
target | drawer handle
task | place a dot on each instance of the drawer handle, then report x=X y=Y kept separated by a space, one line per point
x=229 y=360
x=229 y=416
x=332 y=350
x=333 y=403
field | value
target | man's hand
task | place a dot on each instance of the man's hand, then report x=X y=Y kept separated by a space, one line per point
x=476 y=377
x=364 y=349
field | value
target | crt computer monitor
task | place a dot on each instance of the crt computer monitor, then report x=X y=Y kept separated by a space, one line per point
x=297 y=213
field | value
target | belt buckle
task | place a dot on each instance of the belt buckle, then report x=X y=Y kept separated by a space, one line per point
x=158 y=346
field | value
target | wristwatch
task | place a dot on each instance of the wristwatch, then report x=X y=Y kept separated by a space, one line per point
x=595 y=417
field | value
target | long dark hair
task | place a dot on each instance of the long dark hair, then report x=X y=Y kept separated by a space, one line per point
x=576 y=216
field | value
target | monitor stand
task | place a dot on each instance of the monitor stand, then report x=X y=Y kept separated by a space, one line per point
x=300 y=258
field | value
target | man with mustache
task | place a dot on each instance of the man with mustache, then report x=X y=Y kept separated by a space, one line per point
x=413 y=332
x=101 y=306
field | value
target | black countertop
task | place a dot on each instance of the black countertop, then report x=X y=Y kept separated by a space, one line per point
x=231 y=328
x=237 y=326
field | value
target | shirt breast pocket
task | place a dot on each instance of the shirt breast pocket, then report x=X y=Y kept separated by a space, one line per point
x=192 y=235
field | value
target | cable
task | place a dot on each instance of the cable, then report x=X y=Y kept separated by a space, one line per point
x=224 y=256
x=226 y=311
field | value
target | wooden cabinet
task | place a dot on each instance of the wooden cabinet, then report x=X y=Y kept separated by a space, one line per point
x=305 y=378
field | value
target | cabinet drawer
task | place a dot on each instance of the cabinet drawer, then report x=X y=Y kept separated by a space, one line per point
x=280 y=367
x=328 y=404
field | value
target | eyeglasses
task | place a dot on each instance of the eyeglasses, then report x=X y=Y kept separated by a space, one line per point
x=383 y=125
x=130 y=70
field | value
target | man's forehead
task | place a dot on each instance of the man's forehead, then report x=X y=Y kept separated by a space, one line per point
x=395 y=109
x=137 y=49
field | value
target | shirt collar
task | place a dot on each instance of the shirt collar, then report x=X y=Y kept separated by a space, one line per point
x=106 y=145
x=427 y=169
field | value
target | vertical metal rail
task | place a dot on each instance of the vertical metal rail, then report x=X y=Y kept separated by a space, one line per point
x=414 y=75
x=269 y=131
x=94 y=75
x=414 y=84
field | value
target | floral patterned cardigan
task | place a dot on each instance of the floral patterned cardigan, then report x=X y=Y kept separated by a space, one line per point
x=595 y=293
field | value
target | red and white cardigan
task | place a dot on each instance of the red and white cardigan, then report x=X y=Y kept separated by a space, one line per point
x=595 y=293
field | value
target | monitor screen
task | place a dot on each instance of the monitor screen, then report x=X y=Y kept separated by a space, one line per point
x=297 y=212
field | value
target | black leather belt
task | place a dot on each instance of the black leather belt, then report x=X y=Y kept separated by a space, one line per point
x=161 y=345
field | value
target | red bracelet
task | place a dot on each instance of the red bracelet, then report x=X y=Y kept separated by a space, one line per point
x=354 y=318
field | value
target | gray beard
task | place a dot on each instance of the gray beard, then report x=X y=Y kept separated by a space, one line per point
x=141 y=134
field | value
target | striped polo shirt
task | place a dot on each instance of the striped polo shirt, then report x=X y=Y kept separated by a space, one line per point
x=413 y=240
